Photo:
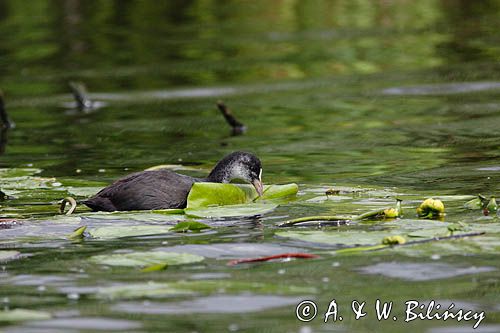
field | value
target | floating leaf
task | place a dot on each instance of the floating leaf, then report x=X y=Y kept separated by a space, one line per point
x=350 y=238
x=128 y=231
x=278 y=191
x=253 y=209
x=156 y=289
x=477 y=203
x=18 y=172
x=168 y=211
x=189 y=226
x=146 y=258
x=155 y=268
x=78 y=233
x=83 y=191
x=430 y=233
x=216 y=194
x=23 y=315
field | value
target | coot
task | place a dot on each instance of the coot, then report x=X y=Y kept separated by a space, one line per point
x=162 y=189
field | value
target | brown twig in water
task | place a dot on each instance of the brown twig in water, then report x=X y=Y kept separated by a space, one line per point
x=470 y=234
x=238 y=127
x=80 y=95
x=277 y=256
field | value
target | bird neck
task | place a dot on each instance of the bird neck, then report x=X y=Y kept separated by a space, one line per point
x=219 y=174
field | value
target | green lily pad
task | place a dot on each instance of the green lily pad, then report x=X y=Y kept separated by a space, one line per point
x=349 y=238
x=30 y=183
x=23 y=315
x=8 y=255
x=278 y=191
x=189 y=226
x=430 y=233
x=463 y=247
x=165 y=289
x=253 y=209
x=142 y=259
x=18 y=172
x=77 y=233
x=128 y=231
x=86 y=191
x=216 y=194
x=169 y=211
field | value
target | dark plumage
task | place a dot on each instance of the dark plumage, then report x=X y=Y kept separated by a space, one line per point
x=162 y=189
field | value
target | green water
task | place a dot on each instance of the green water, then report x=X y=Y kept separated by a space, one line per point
x=399 y=96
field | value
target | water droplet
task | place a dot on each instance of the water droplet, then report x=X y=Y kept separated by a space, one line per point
x=305 y=329
x=73 y=296
x=233 y=327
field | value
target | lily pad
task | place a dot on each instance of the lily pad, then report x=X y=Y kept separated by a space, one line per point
x=156 y=289
x=128 y=231
x=83 y=191
x=18 y=172
x=349 y=238
x=23 y=315
x=216 y=194
x=142 y=259
x=189 y=226
x=278 y=191
x=253 y=209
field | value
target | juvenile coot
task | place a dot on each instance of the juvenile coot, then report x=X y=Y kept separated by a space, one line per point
x=162 y=189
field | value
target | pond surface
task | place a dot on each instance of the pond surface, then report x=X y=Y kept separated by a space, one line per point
x=379 y=99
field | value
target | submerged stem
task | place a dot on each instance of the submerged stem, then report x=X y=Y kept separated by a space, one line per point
x=69 y=200
x=342 y=219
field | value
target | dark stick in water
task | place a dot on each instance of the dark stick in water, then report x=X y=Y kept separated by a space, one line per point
x=80 y=94
x=238 y=127
x=3 y=113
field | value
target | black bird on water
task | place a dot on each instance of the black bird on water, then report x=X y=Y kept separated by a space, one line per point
x=162 y=189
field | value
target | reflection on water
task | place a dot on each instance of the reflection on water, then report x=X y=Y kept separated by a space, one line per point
x=442 y=89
